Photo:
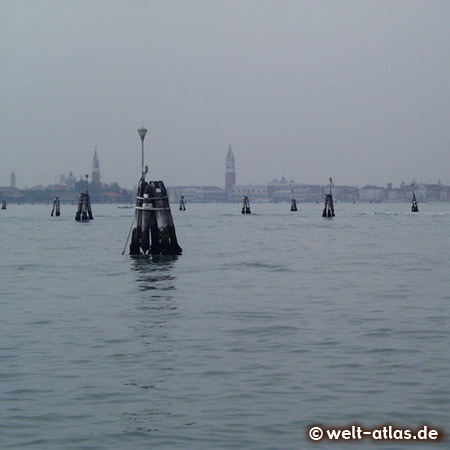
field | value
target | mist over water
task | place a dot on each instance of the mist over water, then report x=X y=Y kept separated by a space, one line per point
x=299 y=88
x=266 y=324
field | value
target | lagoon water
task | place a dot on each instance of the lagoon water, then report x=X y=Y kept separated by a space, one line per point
x=266 y=324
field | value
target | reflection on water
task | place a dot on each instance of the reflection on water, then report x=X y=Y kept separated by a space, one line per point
x=154 y=271
x=156 y=313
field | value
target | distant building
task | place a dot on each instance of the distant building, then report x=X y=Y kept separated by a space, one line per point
x=372 y=194
x=445 y=193
x=393 y=195
x=10 y=194
x=12 y=182
x=280 y=190
x=405 y=192
x=252 y=191
x=434 y=192
x=68 y=180
x=95 y=168
x=345 y=193
x=284 y=190
x=230 y=171
x=197 y=194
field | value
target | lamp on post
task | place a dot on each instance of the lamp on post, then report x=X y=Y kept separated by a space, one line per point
x=142 y=132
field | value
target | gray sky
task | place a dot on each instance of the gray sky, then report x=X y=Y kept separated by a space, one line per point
x=357 y=90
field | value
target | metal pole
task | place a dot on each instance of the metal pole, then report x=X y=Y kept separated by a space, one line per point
x=142 y=132
x=126 y=243
x=143 y=174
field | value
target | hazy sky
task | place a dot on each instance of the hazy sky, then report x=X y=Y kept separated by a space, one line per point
x=357 y=90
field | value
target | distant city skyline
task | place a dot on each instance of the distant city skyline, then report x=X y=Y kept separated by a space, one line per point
x=57 y=180
x=282 y=189
x=230 y=169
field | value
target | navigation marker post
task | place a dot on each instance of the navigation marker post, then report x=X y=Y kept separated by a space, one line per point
x=153 y=230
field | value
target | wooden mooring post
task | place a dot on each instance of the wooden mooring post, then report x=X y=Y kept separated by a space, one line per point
x=84 y=211
x=56 y=207
x=246 y=206
x=328 y=210
x=293 y=202
x=182 y=204
x=414 y=206
x=153 y=230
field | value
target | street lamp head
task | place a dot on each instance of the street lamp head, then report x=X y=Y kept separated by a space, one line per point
x=142 y=132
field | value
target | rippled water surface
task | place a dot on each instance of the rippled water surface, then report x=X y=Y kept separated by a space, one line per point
x=266 y=324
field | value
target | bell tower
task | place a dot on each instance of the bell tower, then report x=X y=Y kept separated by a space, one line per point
x=230 y=170
x=95 y=168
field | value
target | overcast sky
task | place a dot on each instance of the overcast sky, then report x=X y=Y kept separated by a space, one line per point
x=357 y=90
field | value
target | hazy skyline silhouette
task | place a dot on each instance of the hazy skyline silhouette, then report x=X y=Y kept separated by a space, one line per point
x=358 y=91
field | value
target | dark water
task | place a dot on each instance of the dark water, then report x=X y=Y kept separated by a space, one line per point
x=266 y=324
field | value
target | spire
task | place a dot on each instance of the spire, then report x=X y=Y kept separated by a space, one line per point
x=230 y=155
x=95 y=168
x=95 y=162
x=230 y=170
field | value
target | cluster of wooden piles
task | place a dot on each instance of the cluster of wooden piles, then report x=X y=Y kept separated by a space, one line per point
x=153 y=228
x=84 y=211
x=246 y=206
x=56 y=210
